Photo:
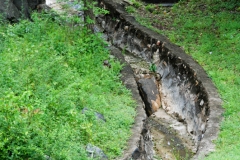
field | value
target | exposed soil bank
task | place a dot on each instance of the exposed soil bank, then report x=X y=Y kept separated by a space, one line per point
x=189 y=99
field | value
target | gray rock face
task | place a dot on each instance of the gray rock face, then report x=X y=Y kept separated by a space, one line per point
x=150 y=95
x=23 y=8
x=13 y=10
x=34 y=3
x=95 y=152
x=145 y=147
x=8 y=10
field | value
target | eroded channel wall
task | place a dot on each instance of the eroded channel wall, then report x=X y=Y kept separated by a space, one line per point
x=187 y=92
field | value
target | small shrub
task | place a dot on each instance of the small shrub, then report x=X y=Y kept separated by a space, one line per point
x=130 y=9
x=50 y=71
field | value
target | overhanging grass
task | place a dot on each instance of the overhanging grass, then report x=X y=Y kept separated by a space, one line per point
x=210 y=32
x=50 y=71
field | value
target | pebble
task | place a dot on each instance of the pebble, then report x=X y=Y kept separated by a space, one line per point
x=95 y=152
x=97 y=115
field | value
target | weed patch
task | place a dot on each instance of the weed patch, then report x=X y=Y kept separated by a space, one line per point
x=50 y=72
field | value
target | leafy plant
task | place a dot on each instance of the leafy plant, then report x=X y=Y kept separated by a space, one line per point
x=130 y=9
x=50 y=71
x=153 y=68
x=150 y=7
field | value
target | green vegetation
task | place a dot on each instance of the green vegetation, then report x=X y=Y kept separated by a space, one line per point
x=51 y=70
x=210 y=32
x=136 y=3
x=150 y=7
x=153 y=68
x=130 y=9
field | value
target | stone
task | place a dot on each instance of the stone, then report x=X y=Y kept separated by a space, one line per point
x=126 y=28
x=13 y=10
x=46 y=157
x=136 y=154
x=34 y=3
x=95 y=152
x=145 y=146
x=129 y=2
x=9 y=11
x=43 y=8
x=99 y=116
x=156 y=58
x=106 y=63
x=150 y=95
x=23 y=8
x=158 y=77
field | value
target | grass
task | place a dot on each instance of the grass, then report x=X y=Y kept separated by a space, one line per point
x=51 y=70
x=209 y=31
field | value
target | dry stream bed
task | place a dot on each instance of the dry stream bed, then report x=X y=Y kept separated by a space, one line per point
x=179 y=110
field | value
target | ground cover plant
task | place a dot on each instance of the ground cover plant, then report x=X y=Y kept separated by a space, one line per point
x=50 y=71
x=210 y=32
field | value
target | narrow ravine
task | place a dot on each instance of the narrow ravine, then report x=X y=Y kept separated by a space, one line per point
x=188 y=117
x=182 y=107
